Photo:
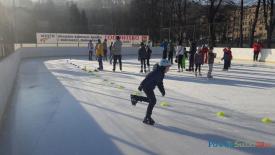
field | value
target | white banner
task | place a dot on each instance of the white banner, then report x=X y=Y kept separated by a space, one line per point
x=63 y=38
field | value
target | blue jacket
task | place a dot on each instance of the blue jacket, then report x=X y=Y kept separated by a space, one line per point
x=153 y=79
x=164 y=45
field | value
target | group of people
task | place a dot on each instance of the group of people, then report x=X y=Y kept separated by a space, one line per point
x=101 y=52
x=197 y=55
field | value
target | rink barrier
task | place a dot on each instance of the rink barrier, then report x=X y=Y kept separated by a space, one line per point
x=9 y=65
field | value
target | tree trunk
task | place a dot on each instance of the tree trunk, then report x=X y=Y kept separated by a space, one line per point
x=241 y=25
x=212 y=33
x=271 y=25
x=254 y=24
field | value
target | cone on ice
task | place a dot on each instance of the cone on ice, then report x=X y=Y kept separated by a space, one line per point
x=266 y=120
x=164 y=104
x=220 y=114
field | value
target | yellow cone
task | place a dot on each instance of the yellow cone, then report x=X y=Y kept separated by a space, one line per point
x=120 y=87
x=136 y=93
x=164 y=104
x=266 y=120
x=220 y=114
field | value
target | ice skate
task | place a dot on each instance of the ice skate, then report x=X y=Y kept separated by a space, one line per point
x=148 y=121
x=134 y=100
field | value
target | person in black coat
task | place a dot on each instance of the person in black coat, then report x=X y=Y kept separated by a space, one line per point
x=149 y=53
x=193 y=48
x=153 y=79
x=142 y=56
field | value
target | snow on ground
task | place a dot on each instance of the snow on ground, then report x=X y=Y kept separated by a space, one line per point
x=59 y=109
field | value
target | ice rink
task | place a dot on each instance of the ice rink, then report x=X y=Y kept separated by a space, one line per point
x=60 y=109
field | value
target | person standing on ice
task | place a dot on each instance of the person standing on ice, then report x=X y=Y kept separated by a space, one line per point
x=164 y=45
x=111 y=53
x=91 y=49
x=171 y=52
x=105 y=49
x=99 y=54
x=205 y=53
x=149 y=53
x=193 y=47
x=116 y=49
x=198 y=61
x=211 y=58
x=142 y=56
x=257 y=49
x=227 y=57
x=179 y=56
x=153 y=79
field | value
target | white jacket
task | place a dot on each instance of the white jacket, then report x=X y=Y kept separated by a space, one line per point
x=91 y=46
x=180 y=50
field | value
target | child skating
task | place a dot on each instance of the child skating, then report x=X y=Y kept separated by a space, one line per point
x=198 y=61
x=211 y=58
x=179 y=56
x=153 y=79
x=142 y=56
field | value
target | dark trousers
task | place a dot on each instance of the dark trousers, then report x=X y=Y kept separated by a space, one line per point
x=180 y=65
x=148 y=62
x=143 y=64
x=151 y=99
x=164 y=54
x=90 y=55
x=256 y=55
x=198 y=67
x=105 y=54
x=111 y=58
x=227 y=64
x=99 y=59
x=170 y=58
x=191 y=62
x=117 y=57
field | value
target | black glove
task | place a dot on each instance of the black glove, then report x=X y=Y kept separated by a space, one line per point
x=140 y=88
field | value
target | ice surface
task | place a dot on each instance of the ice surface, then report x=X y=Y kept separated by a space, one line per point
x=59 y=109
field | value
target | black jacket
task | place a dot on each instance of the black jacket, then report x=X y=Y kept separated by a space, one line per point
x=193 y=48
x=142 y=54
x=211 y=58
x=153 y=79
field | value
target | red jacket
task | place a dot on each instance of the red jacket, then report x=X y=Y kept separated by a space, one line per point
x=257 y=47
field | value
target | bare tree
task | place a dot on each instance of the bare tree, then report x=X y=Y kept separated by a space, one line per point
x=268 y=6
x=214 y=6
x=252 y=32
x=241 y=24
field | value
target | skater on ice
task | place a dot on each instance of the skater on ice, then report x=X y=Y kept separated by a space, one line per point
x=153 y=79
x=179 y=56
x=99 y=54
x=227 y=58
x=111 y=53
x=211 y=59
x=105 y=49
x=193 y=47
x=257 y=47
x=91 y=49
x=149 y=53
x=198 y=61
x=142 y=57
x=116 y=50
x=171 y=52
